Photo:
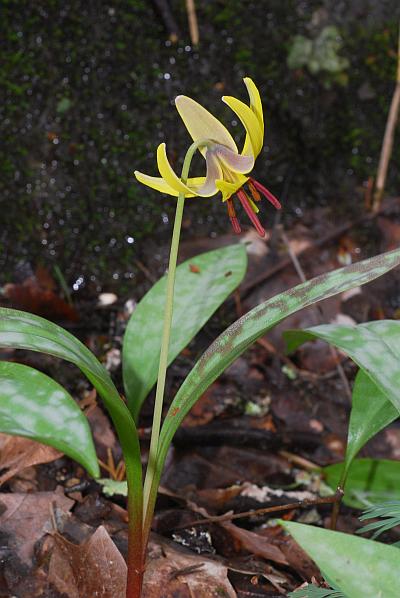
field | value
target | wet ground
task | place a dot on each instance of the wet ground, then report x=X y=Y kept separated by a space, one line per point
x=89 y=94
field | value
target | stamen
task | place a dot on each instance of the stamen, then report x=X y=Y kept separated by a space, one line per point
x=253 y=191
x=267 y=194
x=232 y=216
x=244 y=200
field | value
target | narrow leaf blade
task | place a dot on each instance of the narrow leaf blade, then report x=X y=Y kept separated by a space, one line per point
x=375 y=347
x=238 y=337
x=202 y=285
x=22 y=330
x=371 y=412
x=35 y=406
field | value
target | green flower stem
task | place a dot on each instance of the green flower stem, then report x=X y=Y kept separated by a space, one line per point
x=163 y=364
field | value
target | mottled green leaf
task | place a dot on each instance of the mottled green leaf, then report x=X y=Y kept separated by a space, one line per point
x=369 y=481
x=360 y=568
x=371 y=411
x=202 y=285
x=238 y=337
x=375 y=347
x=22 y=330
x=35 y=406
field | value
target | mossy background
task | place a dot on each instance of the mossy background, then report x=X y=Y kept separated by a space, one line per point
x=88 y=92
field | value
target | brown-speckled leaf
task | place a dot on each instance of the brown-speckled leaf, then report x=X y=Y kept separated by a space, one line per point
x=238 y=337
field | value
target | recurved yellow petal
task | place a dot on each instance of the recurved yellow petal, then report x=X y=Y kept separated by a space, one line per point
x=155 y=182
x=201 y=124
x=167 y=172
x=255 y=100
x=255 y=133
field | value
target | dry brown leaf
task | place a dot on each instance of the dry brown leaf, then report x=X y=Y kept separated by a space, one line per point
x=25 y=518
x=173 y=573
x=32 y=297
x=94 y=568
x=17 y=453
x=255 y=544
x=103 y=433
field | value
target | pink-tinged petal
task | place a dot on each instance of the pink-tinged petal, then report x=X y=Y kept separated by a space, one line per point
x=267 y=194
x=202 y=125
x=214 y=172
x=234 y=161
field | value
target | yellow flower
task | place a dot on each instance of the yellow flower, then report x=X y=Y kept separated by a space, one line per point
x=227 y=169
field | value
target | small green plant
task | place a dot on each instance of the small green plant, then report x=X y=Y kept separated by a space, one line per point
x=35 y=406
x=359 y=567
x=311 y=591
x=389 y=515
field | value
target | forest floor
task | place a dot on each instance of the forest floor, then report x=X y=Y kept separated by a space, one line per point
x=259 y=437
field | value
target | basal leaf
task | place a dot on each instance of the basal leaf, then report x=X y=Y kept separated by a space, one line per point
x=375 y=347
x=35 y=406
x=238 y=337
x=202 y=285
x=369 y=481
x=371 y=411
x=22 y=330
x=360 y=568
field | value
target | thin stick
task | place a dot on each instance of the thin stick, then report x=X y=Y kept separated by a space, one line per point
x=302 y=504
x=278 y=266
x=192 y=18
x=333 y=350
x=388 y=138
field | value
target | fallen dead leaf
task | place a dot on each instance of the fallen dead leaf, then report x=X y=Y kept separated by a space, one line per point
x=173 y=573
x=94 y=568
x=25 y=517
x=103 y=434
x=33 y=297
x=17 y=454
x=254 y=543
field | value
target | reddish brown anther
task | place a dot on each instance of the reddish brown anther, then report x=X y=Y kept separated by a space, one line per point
x=267 y=194
x=232 y=216
x=244 y=200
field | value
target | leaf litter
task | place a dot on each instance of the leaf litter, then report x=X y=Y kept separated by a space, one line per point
x=228 y=458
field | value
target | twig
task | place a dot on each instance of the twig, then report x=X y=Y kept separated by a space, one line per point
x=192 y=18
x=387 y=144
x=146 y=271
x=317 y=309
x=168 y=19
x=337 y=232
x=302 y=504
